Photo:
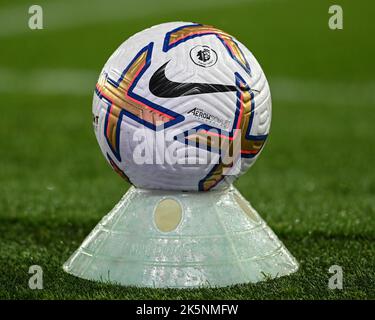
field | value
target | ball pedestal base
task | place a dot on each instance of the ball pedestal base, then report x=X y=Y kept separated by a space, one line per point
x=181 y=240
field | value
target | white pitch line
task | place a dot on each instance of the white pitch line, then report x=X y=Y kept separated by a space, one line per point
x=325 y=92
x=74 y=82
x=48 y=82
x=70 y=14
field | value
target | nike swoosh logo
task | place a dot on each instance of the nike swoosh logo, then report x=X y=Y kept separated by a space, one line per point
x=162 y=87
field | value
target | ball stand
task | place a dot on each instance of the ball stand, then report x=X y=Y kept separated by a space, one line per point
x=181 y=240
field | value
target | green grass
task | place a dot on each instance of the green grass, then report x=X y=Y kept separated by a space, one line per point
x=314 y=183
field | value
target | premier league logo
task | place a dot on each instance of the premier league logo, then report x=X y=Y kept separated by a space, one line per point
x=203 y=56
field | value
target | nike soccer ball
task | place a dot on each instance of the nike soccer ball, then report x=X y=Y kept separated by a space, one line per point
x=181 y=106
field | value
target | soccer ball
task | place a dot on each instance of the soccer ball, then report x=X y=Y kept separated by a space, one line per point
x=181 y=106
